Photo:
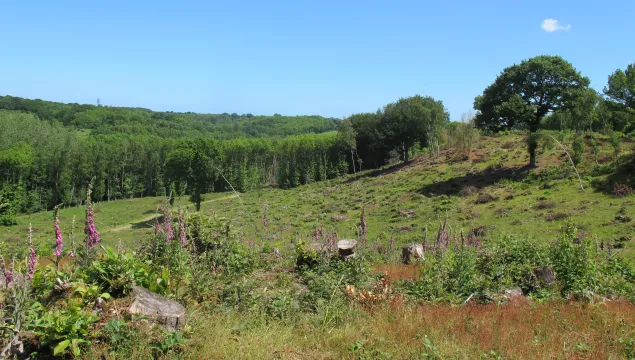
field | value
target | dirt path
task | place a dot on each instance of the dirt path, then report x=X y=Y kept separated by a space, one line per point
x=150 y=217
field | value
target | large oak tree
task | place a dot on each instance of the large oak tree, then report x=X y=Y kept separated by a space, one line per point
x=523 y=94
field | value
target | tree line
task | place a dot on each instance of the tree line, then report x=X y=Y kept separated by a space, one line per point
x=44 y=164
x=138 y=121
x=50 y=152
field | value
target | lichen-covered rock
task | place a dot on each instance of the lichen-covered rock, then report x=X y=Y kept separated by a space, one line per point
x=411 y=252
x=163 y=311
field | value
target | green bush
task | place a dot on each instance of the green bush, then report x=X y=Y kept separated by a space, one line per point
x=578 y=150
x=65 y=330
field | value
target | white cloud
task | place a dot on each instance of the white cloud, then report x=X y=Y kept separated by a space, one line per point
x=551 y=25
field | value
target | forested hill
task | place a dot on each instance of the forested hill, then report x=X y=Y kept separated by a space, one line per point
x=139 y=121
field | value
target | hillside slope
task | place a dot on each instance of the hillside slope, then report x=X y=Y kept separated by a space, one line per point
x=490 y=194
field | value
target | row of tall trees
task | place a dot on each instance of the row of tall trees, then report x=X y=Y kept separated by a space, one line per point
x=44 y=164
x=548 y=92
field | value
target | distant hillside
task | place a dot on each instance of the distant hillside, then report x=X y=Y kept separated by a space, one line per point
x=139 y=121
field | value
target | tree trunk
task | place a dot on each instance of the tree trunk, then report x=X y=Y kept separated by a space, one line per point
x=406 y=154
x=532 y=141
x=353 y=161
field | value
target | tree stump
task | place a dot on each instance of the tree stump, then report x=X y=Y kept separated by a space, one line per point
x=411 y=252
x=346 y=248
x=163 y=311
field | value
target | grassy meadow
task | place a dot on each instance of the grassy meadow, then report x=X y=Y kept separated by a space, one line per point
x=271 y=307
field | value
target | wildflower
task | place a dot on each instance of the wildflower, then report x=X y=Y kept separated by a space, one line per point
x=59 y=246
x=157 y=227
x=92 y=236
x=182 y=230
x=8 y=274
x=32 y=256
x=167 y=225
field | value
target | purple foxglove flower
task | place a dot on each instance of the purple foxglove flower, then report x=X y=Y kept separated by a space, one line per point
x=182 y=230
x=59 y=246
x=92 y=236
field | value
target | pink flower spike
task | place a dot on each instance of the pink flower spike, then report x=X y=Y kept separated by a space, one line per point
x=182 y=230
x=59 y=246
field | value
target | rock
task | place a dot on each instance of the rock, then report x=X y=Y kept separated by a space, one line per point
x=411 y=252
x=346 y=248
x=317 y=247
x=515 y=292
x=545 y=275
x=163 y=311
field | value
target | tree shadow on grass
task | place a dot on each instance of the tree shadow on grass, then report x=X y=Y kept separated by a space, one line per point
x=389 y=169
x=481 y=179
x=143 y=224
x=624 y=174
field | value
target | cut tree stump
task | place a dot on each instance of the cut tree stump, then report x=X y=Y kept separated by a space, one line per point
x=163 y=311
x=346 y=248
x=411 y=252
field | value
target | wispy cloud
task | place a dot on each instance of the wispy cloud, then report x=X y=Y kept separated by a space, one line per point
x=551 y=25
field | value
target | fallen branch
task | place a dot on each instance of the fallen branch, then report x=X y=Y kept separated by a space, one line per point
x=570 y=160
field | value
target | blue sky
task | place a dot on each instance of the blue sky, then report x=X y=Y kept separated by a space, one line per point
x=331 y=58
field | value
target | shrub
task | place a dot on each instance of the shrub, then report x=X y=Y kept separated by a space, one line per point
x=484 y=198
x=575 y=263
x=578 y=150
x=117 y=272
x=65 y=330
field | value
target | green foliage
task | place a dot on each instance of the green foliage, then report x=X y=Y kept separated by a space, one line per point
x=413 y=120
x=523 y=94
x=621 y=87
x=578 y=150
x=464 y=136
x=575 y=262
x=65 y=330
x=116 y=272
x=616 y=143
x=119 y=335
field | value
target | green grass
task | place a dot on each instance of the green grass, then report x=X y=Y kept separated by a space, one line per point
x=263 y=321
x=399 y=201
x=128 y=221
x=406 y=201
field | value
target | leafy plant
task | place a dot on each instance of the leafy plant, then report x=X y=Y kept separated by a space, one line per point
x=65 y=330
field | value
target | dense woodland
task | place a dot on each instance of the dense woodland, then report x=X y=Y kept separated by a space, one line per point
x=50 y=151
